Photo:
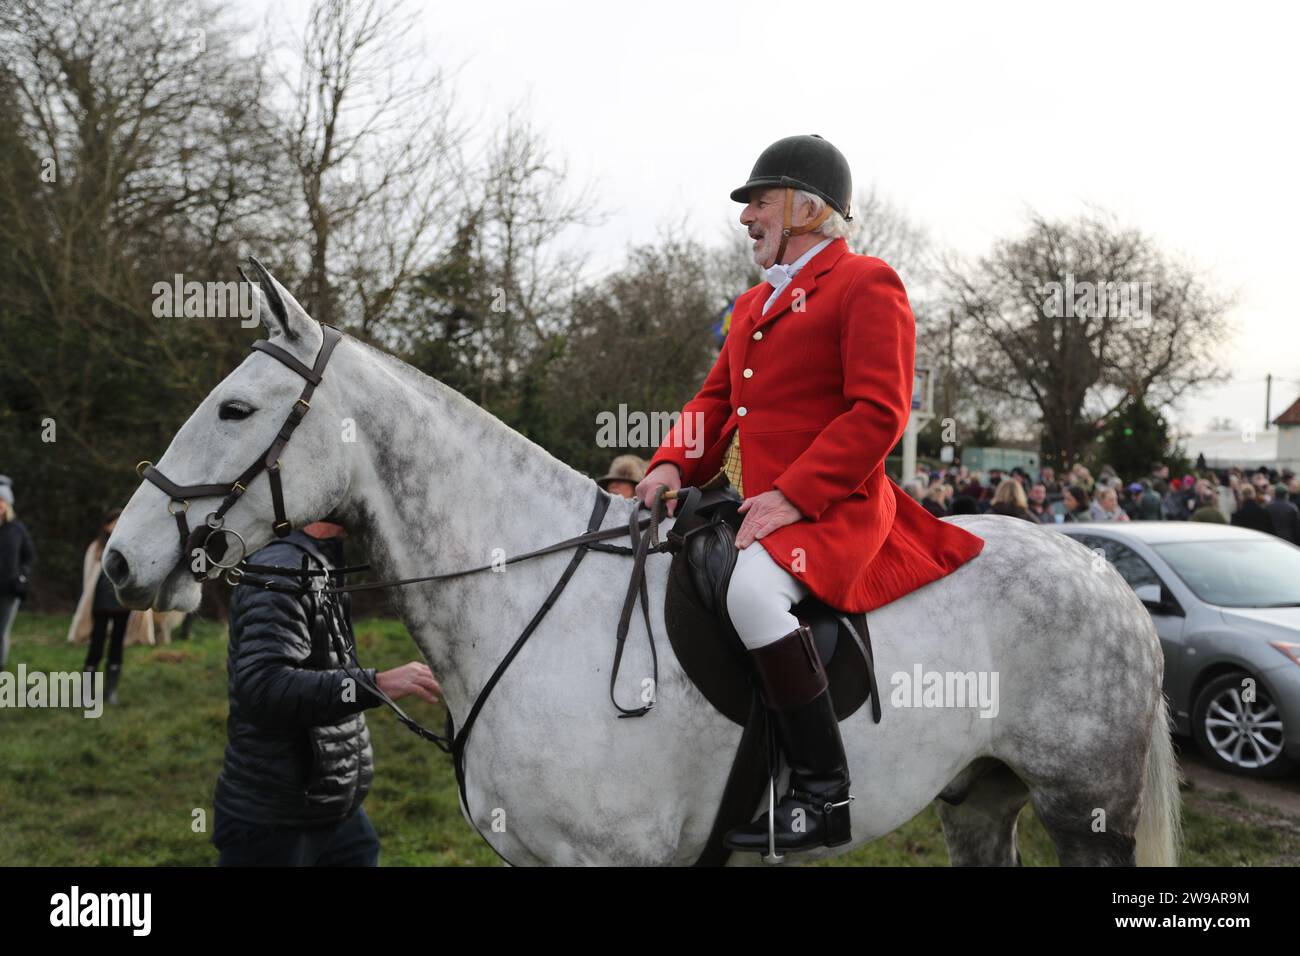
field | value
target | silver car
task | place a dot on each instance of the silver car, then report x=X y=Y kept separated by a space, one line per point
x=1226 y=604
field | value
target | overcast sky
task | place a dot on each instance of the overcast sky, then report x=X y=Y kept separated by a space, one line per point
x=1179 y=117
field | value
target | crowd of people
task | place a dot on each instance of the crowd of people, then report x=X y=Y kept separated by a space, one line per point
x=1263 y=500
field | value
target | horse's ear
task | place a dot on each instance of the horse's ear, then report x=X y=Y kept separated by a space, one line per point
x=283 y=315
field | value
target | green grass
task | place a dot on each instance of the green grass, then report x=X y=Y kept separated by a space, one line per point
x=124 y=789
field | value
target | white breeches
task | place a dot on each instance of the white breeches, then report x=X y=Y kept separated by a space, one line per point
x=760 y=596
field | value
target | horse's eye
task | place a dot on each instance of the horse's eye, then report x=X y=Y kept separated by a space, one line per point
x=234 y=411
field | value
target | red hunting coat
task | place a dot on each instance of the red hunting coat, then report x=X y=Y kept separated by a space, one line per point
x=821 y=388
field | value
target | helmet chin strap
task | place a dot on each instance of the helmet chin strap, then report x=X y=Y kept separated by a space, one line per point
x=788 y=230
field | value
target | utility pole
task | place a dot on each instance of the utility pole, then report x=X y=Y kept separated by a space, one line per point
x=922 y=411
x=947 y=382
x=1268 y=398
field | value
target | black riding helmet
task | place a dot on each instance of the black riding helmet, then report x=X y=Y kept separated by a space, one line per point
x=803 y=162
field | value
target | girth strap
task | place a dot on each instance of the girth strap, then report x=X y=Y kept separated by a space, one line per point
x=857 y=627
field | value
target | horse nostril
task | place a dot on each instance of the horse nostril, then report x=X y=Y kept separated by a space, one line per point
x=116 y=567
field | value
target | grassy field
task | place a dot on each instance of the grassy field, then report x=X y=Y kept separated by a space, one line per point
x=124 y=789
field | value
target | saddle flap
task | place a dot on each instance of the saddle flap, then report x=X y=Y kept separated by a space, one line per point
x=701 y=632
x=711 y=556
x=824 y=622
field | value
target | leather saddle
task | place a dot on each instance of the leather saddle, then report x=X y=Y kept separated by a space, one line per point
x=702 y=540
x=703 y=544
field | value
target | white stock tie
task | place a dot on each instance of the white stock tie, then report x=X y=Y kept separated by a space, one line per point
x=778 y=275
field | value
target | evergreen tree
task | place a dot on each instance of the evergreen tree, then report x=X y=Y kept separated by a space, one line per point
x=1134 y=438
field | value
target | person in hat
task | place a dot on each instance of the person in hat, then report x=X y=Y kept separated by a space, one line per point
x=1132 y=500
x=625 y=472
x=1151 y=507
x=812 y=389
x=17 y=555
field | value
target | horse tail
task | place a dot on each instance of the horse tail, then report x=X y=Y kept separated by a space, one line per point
x=1160 y=822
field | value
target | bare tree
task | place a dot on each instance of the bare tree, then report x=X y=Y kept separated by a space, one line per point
x=491 y=314
x=373 y=144
x=731 y=262
x=638 y=341
x=139 y=116
x=130 y=152
x=882 y=229
x=523 y=209
x=1073 y=318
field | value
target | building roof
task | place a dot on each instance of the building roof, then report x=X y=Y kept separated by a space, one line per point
x=1291 y=416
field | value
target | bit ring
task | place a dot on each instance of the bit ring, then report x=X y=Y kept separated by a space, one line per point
x=243 y=549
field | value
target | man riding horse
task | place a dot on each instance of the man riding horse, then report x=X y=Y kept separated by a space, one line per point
x=812 y=389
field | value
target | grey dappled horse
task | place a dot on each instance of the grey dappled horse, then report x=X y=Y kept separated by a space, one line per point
x=429 y=482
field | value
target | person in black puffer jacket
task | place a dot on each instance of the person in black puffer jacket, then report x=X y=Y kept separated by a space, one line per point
x=298 y=759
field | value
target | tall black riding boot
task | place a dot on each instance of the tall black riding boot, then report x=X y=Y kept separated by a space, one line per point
x=815 y=811
x=112 y=673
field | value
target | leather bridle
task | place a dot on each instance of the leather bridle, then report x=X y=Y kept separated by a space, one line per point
x=200 y=537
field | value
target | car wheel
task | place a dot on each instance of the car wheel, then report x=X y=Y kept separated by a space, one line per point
x=1241 y=737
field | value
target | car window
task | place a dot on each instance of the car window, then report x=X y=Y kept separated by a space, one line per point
x=1089 y=541
x=1258 y=572
x=1130 y=565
